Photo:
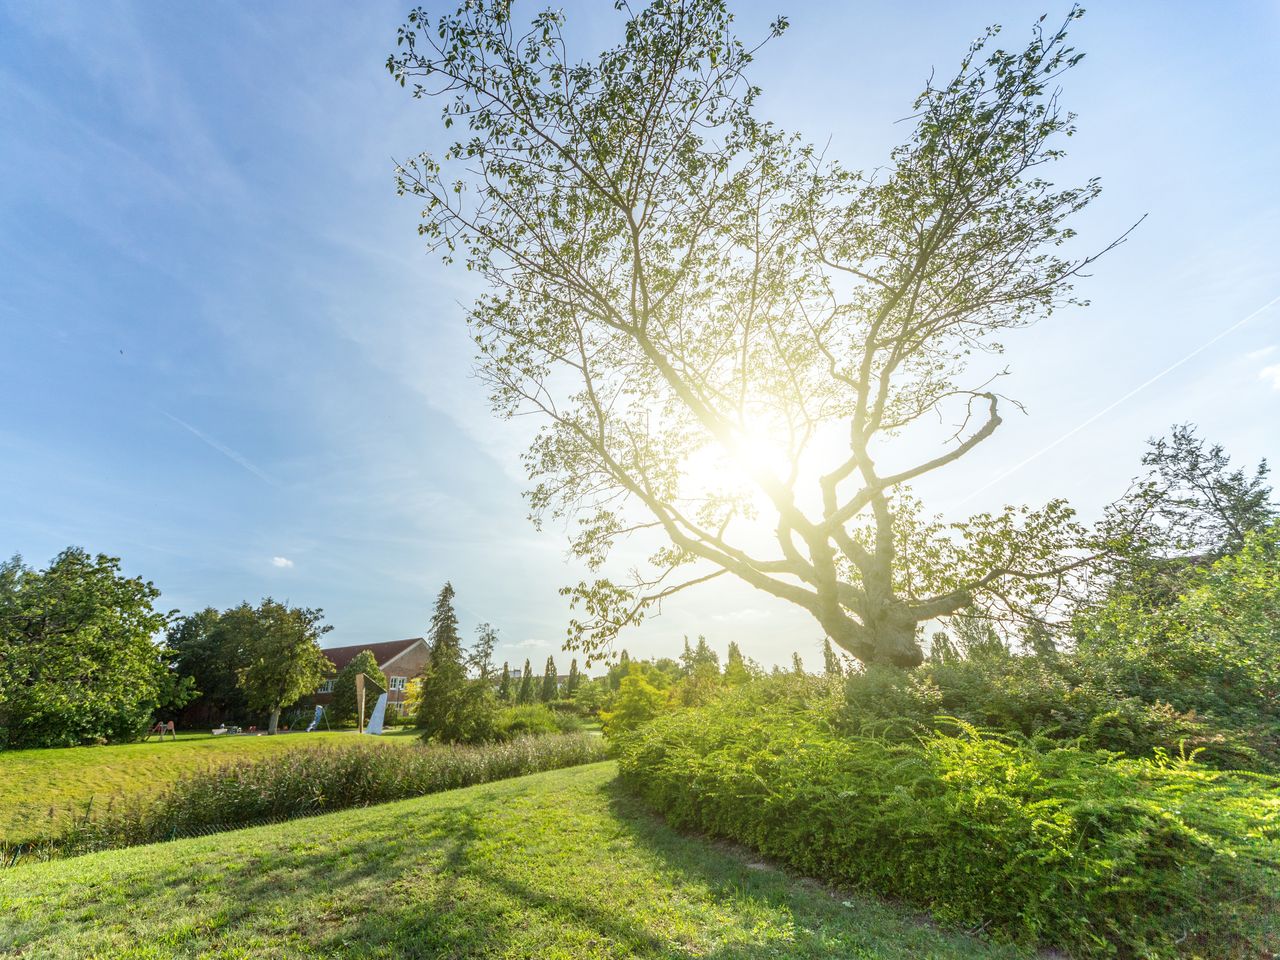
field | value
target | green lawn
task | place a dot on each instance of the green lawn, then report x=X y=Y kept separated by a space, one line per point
x=553 y=865
x=38 y=784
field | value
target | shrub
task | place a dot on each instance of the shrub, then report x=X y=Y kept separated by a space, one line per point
x=636 y=702
x=301 y=783
x=534 y=719
x=1085 y=850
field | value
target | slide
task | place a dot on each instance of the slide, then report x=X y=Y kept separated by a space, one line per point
x=315 y=721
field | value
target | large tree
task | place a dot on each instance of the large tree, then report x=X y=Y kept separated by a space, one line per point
x=78 y=657
x=209 y=646
x=282 y=657
x=721 y=328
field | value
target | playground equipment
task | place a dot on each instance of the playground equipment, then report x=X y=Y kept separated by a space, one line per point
x=378 y=715
x=315 y=721
x=379 y=708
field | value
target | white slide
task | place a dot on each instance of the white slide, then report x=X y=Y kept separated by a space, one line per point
x=315 y=722
x=379 y=713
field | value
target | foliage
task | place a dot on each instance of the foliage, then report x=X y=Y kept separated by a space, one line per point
x=504 y=685
x=534 y=719
x=692 y=301
x=636 y=702
x=454 y=707
x=574 y=681
x=343 y=707
x=77 y=659
x=282 y=657
x=557 y=865
x=525 y=692
x=301 y=783
x=550 y=688
x=1073 y=848
x=736 y=672
x=209 y=647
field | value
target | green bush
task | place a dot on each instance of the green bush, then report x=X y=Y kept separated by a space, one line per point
x=300 y=783
x=534 y=719
x=1031 y=841
x=1066 y=698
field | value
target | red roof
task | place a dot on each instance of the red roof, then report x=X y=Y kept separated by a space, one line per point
x=382 y=652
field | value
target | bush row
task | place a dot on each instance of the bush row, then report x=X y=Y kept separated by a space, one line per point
x=301 y=783
x=1029 y=840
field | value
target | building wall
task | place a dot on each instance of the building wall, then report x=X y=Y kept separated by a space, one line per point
x=406 y=666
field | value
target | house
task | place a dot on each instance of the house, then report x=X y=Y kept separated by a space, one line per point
x=400 y=660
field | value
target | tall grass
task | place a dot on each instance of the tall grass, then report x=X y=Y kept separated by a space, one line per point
x=299 y=783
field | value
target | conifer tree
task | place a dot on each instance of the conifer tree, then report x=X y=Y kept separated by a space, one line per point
x=831 y=662
x=575 y=679
x=797 y=665
x=550 y=687
x=504 y=687
x=526 y=684
x=735 y=668
x=445 y=675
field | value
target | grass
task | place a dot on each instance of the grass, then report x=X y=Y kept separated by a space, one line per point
x=66 y=779
x=552 y=865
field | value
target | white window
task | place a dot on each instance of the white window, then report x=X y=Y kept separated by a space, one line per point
x=326 y=687
x=397 y=683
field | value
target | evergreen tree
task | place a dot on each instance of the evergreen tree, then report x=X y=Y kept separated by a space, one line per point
x=575 y=679
x=735 y=668
x=704 y=658
x=445 y=677
x=619 y=670
x=504 y=688
x=686 y=659
x=797 y=665
x=549 y=685
x=830 y=661
x=526 y=684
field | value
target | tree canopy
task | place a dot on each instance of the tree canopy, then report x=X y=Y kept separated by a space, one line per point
x=282 y=657
x=78 y=657
x=724 y=332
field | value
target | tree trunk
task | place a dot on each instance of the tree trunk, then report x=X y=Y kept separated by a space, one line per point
x=275 y=719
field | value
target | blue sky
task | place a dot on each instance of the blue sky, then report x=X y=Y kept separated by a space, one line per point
x=227 y=359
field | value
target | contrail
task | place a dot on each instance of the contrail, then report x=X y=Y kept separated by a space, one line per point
x=1115 y=403
x=222 y=449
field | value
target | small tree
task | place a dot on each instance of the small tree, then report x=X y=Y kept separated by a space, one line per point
x=283 y=659
x=343 y=707
x=735 y=668
x=525 y=694
x=504 y=686
x=574 y=681
x=451 y=709
x=550 y=684
x=797 y=665
x=831 y=660
x=636 y=702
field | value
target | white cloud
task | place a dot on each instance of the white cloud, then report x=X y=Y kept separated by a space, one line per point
x=1259 y=354
x=282 y=562
x=1271 y=373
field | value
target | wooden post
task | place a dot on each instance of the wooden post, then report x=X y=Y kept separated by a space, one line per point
x=360 y=700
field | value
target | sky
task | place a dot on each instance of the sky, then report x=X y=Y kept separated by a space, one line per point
x=227 y=358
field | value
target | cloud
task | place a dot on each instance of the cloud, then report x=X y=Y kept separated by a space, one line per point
x=1271 y=373
x=283 y=563
x=1260 y=353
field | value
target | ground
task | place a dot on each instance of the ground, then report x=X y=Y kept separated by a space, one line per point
x=36 y=785
x=553 y=865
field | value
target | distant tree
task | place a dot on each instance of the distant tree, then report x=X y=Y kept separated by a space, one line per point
x=1190 y=509
x=282 y=655
x=637 y=701
x=735 y=668
x=673 y=282
x=504 y=686
x=343 y=706
x=525 y=695
x=481 y=657
x=831 y=660
x=797 y=665
x=619 y=670
x=574 y=681
x=77 y=659
x=550 y=682
x=209 y=647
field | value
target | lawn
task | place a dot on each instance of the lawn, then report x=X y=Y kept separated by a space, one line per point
x=552 y=865
x=36 y=785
